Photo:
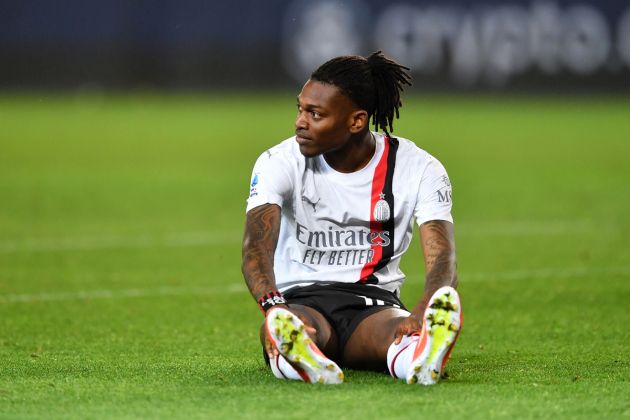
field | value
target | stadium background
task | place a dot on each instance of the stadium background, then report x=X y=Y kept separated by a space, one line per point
x=127 y=135
x=251 y=44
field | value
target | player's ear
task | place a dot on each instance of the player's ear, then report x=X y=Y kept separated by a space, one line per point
x=358 y=120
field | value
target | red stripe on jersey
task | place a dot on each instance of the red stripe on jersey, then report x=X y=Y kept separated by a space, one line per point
x=378 y=182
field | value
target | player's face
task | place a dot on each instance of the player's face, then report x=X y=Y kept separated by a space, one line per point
x=324 y=119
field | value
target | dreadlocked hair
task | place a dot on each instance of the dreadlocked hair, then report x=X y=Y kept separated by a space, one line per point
x=373 y=83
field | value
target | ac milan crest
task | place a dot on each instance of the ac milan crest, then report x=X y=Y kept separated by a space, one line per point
x=382 y=212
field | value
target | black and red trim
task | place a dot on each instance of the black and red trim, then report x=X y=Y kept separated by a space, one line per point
x=268 y=300
x=382 y=187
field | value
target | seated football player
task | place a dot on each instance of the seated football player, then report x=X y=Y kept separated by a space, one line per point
x=331 y=211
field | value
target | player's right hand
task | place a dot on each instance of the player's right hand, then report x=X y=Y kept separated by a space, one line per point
x=407 y=326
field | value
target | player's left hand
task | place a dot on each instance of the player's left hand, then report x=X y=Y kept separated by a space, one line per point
x=411 y=324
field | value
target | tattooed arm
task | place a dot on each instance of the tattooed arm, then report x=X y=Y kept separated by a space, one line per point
x=438 y=245
x=262 y=228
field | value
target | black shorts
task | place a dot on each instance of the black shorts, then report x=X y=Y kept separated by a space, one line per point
x=344 y=305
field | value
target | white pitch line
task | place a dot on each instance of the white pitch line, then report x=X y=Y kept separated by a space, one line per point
x=183 y=239
x=516 y=275
x=208 y=238
x=120 y=294
x=543 y=273
x=526 y=228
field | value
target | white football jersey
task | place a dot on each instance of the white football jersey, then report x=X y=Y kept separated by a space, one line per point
x=349 y=227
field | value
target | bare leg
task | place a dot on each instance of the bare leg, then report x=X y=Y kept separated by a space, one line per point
x=418 y=358
x=368 y=344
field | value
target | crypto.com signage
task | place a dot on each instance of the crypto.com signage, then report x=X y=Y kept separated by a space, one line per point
x=478 y=45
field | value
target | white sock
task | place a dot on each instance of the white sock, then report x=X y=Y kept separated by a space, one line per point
x=283 y=369
x=399 y=356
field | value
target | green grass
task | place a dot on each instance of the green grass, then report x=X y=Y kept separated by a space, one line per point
x=120 y=289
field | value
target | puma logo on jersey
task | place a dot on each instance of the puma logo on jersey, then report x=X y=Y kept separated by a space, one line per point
x=314 y=204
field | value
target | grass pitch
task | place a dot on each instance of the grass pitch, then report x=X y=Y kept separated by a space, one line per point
x=120 y=289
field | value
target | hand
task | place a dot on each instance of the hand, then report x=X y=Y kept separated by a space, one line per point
x=411 y=324
x=271 y=350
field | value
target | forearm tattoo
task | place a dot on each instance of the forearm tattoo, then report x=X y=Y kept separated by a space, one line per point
x=259 y=245
x=438 y=244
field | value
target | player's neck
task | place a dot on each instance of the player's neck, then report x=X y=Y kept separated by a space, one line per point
x=354 y=155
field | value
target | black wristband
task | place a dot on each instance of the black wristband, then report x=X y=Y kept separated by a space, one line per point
x=271 y=299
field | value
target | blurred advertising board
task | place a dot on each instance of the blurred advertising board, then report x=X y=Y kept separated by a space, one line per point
x=540 y=45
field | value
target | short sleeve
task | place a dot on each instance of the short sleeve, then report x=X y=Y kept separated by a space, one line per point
x=435 y=195
x=270 y=182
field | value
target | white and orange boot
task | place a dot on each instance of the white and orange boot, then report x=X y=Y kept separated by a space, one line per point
x=287 y=333
x=441 y=325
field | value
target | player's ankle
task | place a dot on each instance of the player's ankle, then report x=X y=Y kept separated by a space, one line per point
x=399 y=356
x=282 y=369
